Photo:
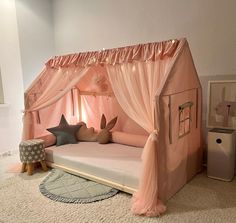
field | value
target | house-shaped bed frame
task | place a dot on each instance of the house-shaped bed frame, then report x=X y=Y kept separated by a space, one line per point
x=155 y=85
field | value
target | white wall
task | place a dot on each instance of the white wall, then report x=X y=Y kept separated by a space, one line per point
x=36 y=35
x=210 y=27
x=1 y=89
x=10 y=117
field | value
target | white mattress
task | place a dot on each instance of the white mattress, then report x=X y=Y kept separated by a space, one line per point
x=115 y=162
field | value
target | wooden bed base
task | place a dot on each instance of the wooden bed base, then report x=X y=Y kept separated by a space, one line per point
x=118 y=186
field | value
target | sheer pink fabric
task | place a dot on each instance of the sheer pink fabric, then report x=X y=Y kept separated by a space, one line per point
x=62 y=80
x=135 y=86
x=146 y=200
x=50 y=116
x=142 y=52
x=136 y=73
x=56 y=86
x=94 y=106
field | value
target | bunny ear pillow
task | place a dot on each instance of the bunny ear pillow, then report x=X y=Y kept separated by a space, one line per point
x=102 y=137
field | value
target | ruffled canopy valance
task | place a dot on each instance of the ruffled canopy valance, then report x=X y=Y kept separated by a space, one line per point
x=140 y=52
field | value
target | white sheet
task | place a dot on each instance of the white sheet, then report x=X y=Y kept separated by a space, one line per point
x=118 y=163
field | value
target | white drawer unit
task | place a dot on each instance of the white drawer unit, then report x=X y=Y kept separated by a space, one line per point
x=221 y=154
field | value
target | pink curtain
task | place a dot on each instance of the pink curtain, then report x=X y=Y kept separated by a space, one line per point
x=57 y=85
x=50 y=116
x=135 y=73
x=135 y=86
x=94 y=106
x=61 y=82
x=141 y=52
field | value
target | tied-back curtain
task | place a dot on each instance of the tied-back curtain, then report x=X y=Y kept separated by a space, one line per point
x=135 y=73
x=135 y=86
x=61 y=82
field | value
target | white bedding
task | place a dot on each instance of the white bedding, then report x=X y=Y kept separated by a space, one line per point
x=115 y=162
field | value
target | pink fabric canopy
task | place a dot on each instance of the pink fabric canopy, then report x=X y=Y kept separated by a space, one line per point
x=139 y=84
x=141 y=52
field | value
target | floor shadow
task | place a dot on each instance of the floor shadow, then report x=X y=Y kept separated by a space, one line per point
x=38 y=173
x=203 y=193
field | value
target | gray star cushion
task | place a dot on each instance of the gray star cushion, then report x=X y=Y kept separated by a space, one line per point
x=65 y=133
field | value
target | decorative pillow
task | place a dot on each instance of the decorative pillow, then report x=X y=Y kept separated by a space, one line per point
x=86 y=134
x=65 y=133
x=49 y=140
x=129 y=139
x=104 y=136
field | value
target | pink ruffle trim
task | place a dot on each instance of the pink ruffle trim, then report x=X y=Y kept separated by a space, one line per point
x=140 y=52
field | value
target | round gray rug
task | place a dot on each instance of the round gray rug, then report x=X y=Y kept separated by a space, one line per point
x=68 y=188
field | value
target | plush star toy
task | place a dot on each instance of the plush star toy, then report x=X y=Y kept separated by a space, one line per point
x=65 y=133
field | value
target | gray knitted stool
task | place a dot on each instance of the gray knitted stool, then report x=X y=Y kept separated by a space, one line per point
x=32 y=152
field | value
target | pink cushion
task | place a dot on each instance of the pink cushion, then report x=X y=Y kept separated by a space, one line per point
x=49 y=140
x=129 y=139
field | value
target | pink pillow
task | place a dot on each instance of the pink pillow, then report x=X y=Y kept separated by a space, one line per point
x=129 y=139
x=49 y=140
